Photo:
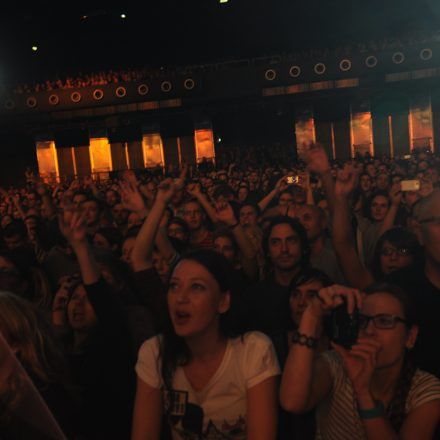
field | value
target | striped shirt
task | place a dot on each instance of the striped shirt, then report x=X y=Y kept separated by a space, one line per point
x=337 y=415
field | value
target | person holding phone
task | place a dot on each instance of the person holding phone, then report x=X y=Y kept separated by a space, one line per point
x=371 y=390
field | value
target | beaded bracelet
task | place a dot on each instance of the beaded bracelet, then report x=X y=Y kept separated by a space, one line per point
x=306 y=341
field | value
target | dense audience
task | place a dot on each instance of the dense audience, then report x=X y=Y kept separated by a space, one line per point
x=259 y=298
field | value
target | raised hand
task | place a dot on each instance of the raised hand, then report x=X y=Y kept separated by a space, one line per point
x=194 y=189
x=346 y=181
x=281 y=184
x=130 y=176
x=396 y=193
x=360 y=362
x=330 y=297
x=225 y=213
x=317 y=159
x=73 y=226
x=131 y=198
x=166 y=190
x=182 y=176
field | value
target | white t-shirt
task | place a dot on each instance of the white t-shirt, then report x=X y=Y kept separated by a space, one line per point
x=337 y=416
x=219 y=410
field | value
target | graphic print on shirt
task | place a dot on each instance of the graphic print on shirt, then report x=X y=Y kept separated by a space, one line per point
x=186 y=420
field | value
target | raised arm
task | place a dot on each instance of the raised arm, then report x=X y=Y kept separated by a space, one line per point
x=46 y=199
x=195 y=190
x=72 y=225
x=281 y=185
x=225 y=214
x=390 y=217
x=354 y=271
x=142 y=253
x=306 y=378
x=132 y=199
x=164 y=244
x=318 y=163
x=17 y=204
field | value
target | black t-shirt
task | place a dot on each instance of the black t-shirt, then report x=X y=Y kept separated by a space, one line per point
x=426 y=299
x=268 y=305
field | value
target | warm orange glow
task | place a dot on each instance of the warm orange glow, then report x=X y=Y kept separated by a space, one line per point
x=47 y=161
x=420 y=123
x=204 y=140
x=297 y=88
x=361 y=132
x=152 y=148
x=100 y=157
x=321 y=85
x=304 y=131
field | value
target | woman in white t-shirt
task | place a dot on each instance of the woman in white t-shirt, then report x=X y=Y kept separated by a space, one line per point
x=206 y=378
x=371 y=391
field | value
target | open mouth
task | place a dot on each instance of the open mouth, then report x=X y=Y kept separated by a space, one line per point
x=181 y=317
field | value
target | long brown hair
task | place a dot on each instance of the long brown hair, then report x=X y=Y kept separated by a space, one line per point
x=28 y=331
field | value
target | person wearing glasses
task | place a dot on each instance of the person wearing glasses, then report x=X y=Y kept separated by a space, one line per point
x=371 y=390
x=396 y=249
x=422 y=280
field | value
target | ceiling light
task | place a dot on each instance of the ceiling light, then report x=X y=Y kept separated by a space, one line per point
x=223 y=1
x=34 y=48
x=123 y=16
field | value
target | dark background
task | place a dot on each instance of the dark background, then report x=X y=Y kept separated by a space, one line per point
x=85 y=37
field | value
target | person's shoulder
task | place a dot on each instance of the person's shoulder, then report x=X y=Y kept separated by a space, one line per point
x=151 y=345
x=426 y=380
x=425 y=387
x=252 y=340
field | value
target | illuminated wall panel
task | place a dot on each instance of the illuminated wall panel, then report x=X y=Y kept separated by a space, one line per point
x=420 y=122
x=361 y=130
x=204 y=140
x=153 y=150
x=47 y=160
x=304 y=130
x=100 y=156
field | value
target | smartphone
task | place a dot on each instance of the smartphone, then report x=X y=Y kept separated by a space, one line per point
x=292 y=179
x=410 y=185
x=343 y=327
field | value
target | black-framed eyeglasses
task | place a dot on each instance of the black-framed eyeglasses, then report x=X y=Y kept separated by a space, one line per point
x=382 y=321
x=388 y=251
